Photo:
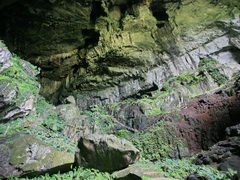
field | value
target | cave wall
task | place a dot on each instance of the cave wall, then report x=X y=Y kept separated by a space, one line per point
x=105 y=51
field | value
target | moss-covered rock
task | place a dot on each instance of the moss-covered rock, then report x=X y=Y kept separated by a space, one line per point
x=23 y=109
x=18 y=86
x=22 y=154
x=105 y=152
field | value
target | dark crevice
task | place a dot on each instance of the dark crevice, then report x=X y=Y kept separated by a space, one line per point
x=160 y=13
x=92 y=37
x=97 y=11
x=144 y=92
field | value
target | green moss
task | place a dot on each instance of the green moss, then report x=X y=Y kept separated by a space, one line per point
x=123 y=133
x=54 y=138
x=156 y=111
x=18 y=76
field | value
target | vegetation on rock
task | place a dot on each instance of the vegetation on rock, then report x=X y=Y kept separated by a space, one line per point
x=157 y=142
x=212 y=67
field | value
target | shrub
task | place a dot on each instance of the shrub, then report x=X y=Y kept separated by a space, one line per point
x=101 y=119
x=157 y=142
x=77 y=173
x=210 y=65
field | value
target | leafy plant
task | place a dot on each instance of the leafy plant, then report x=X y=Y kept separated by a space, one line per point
x=156 y=142
x=101 y=119
x=210 y=65
x=180 y=169
x=76 y=173
x=123 y=133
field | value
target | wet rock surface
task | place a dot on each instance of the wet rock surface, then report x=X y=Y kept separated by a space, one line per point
x=105 y=152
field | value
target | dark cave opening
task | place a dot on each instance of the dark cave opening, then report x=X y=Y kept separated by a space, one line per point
x=160 y=13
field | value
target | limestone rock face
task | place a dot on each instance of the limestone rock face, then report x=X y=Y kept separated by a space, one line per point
x=23 y=154
x=75 y=124
x=5 y=57
x=105 y=152
x=105 y=51
x=15 y=100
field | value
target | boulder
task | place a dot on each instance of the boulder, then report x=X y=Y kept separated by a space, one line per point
x=105 y=152
x=232 y=162
x=7 y=94
x=129 y=173
x=22 y=154
x=18 y=86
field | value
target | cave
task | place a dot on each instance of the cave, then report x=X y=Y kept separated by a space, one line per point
x=97 y=89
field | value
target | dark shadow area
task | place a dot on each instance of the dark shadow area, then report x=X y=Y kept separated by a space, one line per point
x=160 y=13
x=91 y=37
x=97 y=11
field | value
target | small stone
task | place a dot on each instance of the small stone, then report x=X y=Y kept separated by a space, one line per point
x=132 y=172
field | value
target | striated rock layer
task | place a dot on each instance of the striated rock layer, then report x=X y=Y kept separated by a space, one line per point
x=105 y=51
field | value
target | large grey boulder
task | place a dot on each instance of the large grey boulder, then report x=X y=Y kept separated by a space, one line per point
x=23 y=154
x=105 y=152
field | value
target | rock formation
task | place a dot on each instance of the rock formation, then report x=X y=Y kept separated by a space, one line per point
x=105 y=152
x=23 y=154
